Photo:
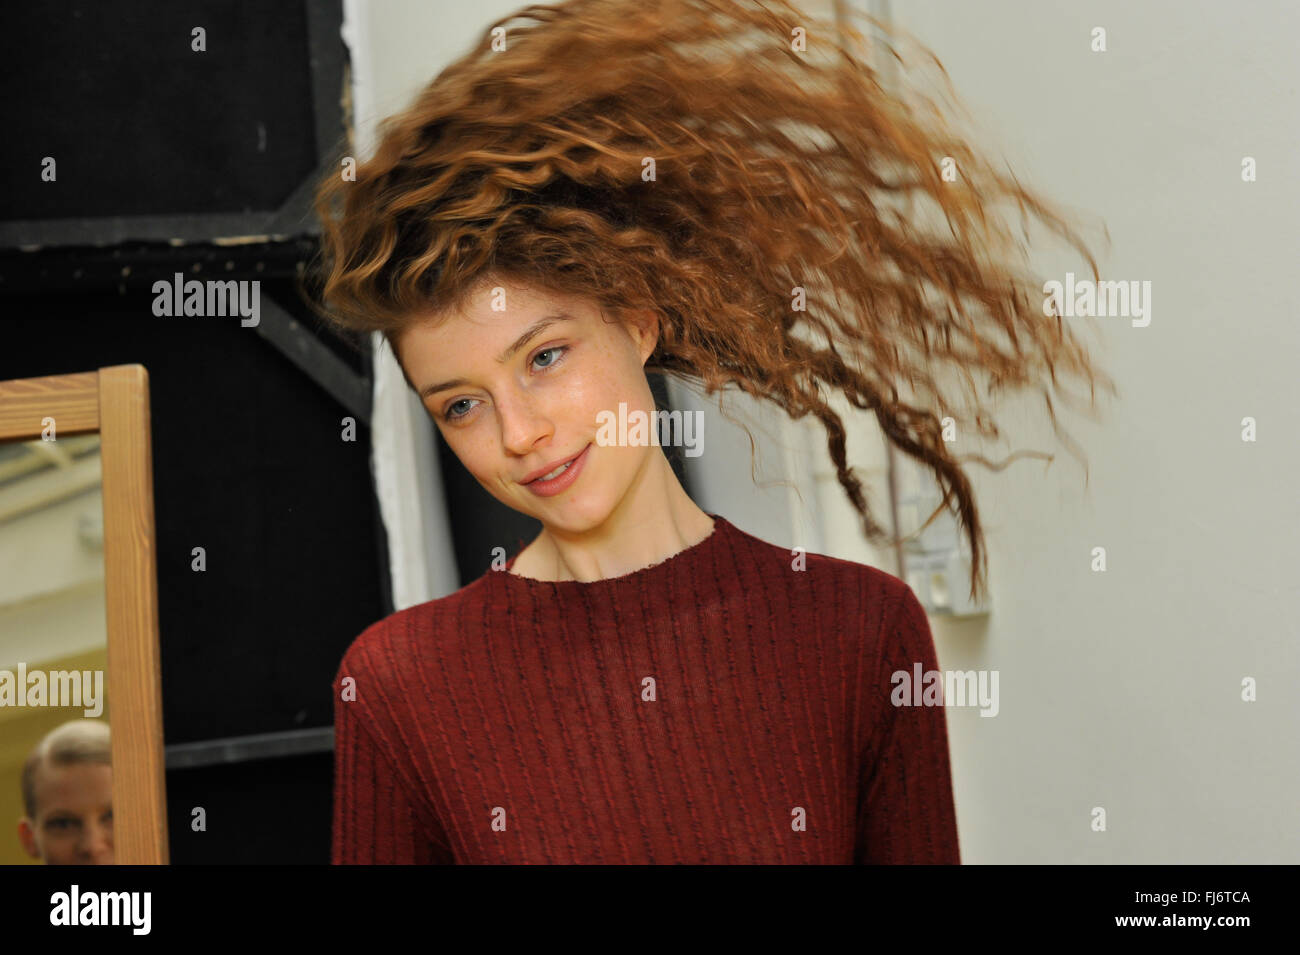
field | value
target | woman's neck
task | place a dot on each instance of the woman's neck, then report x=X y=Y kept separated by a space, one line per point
x=655 y=520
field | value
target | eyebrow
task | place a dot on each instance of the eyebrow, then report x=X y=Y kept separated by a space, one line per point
x=532 y=331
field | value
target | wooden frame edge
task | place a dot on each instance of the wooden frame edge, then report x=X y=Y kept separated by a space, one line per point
x=131 y=596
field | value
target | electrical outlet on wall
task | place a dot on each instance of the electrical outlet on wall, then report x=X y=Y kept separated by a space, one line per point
x=937 y=560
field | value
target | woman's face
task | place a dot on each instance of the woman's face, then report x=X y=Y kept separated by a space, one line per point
x=517 y=389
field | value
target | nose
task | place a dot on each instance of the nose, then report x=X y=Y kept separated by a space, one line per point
x=98 y=842
x=523 y=423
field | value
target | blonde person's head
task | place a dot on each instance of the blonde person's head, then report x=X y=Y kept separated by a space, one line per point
x=67 y=795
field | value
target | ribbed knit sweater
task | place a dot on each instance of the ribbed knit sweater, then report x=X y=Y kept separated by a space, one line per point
x=730 y=704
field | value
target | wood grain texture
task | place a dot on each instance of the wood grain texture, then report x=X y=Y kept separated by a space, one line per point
x=131 y=594
x=71 y=400
x=114 y=401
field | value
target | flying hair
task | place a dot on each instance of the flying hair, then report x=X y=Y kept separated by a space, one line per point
x=803 y=221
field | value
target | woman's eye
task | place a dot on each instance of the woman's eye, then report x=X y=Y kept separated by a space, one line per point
x=450 y=416
x=557 y=353
x=557 y=350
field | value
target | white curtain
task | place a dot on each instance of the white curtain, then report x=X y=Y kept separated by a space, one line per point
x=404 y=458
x=408 y=481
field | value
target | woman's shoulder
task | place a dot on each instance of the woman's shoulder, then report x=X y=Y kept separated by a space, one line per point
x=816 y=570
x=388 y=646
x=843 y=595
x=865 y=617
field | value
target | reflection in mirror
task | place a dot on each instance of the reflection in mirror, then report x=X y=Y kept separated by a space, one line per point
x=55 y=768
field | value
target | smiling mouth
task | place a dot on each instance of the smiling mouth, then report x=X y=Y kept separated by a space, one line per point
x=556 y=473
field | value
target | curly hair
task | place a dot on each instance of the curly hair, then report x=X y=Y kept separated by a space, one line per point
x=740 y=169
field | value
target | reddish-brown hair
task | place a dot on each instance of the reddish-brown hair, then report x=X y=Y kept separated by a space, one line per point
x=768 y=169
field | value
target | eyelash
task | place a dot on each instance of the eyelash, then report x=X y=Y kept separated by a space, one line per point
x=562 y=349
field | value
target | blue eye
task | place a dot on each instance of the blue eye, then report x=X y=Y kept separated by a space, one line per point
x=452 y=417
x=559 y=351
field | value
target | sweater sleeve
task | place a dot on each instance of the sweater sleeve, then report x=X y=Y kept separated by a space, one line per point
x=375 y=822
x=906 y=813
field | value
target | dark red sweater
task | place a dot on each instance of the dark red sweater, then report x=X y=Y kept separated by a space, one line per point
x=721 y=706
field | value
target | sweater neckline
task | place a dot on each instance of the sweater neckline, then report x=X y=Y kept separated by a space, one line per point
x=694 y=554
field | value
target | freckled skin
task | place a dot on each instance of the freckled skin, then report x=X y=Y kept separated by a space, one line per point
x=74 y=816
x=627 y=508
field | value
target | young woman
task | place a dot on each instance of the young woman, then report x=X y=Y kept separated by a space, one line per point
x=725 y=192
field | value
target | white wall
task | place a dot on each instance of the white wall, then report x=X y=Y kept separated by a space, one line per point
x=52 y=563
x=1122 y=689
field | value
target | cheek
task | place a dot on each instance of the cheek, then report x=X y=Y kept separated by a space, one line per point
x=480 y=458
x=608 y=378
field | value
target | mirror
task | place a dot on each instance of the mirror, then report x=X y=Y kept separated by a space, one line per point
x=79 y=623
x=55 y=757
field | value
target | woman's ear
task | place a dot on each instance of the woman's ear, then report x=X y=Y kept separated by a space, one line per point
x=643 y=326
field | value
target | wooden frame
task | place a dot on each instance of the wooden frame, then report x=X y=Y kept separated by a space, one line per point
x=114 y=402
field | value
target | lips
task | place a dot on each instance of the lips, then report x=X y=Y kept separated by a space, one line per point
x=554 y=474
x=544 y=486
x=546 y=471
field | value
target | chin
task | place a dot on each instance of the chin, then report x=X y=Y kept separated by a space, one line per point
x=573 y=517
